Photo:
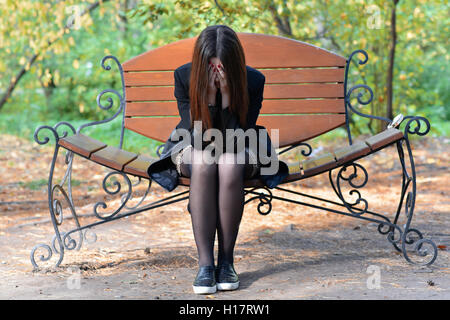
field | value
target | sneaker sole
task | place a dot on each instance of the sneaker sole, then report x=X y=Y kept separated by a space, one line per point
x=204 y=290
x=228 y=286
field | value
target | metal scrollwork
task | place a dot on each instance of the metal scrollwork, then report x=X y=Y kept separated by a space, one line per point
x=115 y=191
x=110 y=104
x=141 y=200
x=415 y=123
x=65 y=133
x=41 y=257
x=47 y=138
x=420 y=126
x=305 y=152
x=387 y=227
x=265 y=200
x=418 y=240
x=42 y=135
x=361 y=101
x=61 y=241
x=351 y=180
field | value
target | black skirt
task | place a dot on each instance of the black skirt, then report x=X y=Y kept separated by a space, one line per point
x=184 y=168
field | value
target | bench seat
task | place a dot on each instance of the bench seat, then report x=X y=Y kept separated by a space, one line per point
x=109 y=156
x=81 y=144
x=137 y=165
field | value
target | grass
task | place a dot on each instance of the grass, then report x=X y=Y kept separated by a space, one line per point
x=34 y=185
x=39 y=184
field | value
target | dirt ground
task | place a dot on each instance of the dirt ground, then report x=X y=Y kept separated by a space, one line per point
x=295 y=252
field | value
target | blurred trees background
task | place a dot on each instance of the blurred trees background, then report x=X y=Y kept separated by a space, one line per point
x=51 y=50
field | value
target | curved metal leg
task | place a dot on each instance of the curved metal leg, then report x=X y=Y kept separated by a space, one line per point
x=54 y=205
x=428 y=256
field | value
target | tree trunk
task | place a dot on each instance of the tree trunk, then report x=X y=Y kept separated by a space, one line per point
x=283 y=24
x=390 y=74
x=15 y=80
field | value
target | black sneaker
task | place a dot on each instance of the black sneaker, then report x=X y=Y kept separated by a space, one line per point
x=226 y=276
x=205 y=282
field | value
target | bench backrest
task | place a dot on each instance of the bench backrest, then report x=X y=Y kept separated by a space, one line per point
x=303 y=94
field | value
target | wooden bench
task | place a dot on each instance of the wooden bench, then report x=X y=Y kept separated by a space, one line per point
x=305 y=96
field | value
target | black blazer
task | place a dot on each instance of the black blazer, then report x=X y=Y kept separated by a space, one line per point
x=255 y=85
x=163 y=170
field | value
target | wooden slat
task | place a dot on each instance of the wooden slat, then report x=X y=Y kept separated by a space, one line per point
x=160 y=108
x=170 y=108
x=113 y=157
x=276 y=91
x=167 y=57
x=292 y=128
x=259 y=49
x=318 y=164
x=154 y=128
x=297 y=128
x=303 y=75
x=348 y=153
x=303 y=91
x=317 y=161
x=149 y=93
x=294 y=167
x=149 y=78
x=139 y=166
x=303 y=106
x=313 y=75
x=384 y=138
x=81 y=144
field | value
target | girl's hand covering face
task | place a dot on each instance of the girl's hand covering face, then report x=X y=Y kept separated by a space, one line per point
x=212 y=79
x=217 y=79
x=222 y=79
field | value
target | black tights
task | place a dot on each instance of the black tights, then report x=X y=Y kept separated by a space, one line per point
x=216 y=202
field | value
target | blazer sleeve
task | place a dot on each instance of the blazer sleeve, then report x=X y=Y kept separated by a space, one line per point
x=182 y=96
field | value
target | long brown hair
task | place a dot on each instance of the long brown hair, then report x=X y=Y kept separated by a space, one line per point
x=222 y=42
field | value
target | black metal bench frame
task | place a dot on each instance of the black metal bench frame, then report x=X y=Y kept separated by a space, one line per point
x=405 y=239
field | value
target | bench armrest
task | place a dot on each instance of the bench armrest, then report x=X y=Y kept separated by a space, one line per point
x=108 y=106
x=121 y=109
x=413 y=123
